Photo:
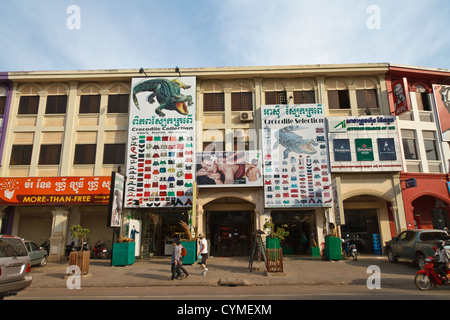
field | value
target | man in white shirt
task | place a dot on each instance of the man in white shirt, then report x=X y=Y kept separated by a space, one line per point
x=204 y=253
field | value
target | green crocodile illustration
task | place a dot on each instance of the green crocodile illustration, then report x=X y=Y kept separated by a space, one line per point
x=167 y=93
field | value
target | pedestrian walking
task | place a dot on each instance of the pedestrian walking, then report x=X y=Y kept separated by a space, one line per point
x=203 y=251
x=181 y=270
x=176 y=255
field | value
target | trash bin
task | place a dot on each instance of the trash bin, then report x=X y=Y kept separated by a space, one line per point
x=191 y=252
x=333 y=248
x=123 y=253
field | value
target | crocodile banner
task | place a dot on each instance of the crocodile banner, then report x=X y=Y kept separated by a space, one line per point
x=296 y=170
x=161 y=141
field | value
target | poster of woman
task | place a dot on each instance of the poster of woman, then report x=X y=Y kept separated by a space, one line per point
x=229 y=168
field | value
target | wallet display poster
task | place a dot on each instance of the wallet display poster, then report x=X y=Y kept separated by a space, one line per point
x=160 y=151
x=364 y=144
x=295 y=152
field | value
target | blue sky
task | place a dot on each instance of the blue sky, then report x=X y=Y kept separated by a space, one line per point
x=221 y=33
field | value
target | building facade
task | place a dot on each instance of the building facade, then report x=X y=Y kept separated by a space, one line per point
x=71 y=130
x=423 y=117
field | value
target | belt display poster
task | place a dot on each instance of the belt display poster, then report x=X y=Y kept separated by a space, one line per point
x=296 y=169
x=160 y=154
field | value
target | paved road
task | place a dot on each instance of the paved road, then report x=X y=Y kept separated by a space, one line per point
x=255 y=293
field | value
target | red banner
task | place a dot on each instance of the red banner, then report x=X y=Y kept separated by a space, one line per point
x=55 y=190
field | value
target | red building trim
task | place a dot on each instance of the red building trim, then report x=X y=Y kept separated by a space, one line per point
x=428 y=184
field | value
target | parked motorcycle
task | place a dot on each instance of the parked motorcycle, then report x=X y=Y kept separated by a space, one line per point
x=45 y=246
x=349 y=250
x=429 y=276
x=99 y=251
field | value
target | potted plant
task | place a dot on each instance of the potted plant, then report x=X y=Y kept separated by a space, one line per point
x=275 y=234
x=80 y=258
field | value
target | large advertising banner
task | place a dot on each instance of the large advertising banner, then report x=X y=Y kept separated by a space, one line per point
x=442 y=98
x=116 y=200
x=401 y=99
x=40 y=191
x=296 y=169
x=365 y=143
x=160 y=155
x=229 y=169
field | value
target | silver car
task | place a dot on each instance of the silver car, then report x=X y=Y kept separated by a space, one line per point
x=15 y=266
x=37 y=255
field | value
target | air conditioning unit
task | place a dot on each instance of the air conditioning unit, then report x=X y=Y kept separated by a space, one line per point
x=246 y=116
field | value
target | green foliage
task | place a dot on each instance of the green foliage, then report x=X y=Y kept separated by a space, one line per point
x=279 y=233
x=79 y=232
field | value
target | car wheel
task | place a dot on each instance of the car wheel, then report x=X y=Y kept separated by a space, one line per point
x=43 y=262
x=392 y=258
x=420 y=260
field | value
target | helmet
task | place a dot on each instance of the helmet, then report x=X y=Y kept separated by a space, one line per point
x=441 y=243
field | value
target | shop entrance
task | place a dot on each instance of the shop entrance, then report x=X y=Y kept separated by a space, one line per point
x=160 y=229
x=229 y=232
x=301 y=226
x=360 y=227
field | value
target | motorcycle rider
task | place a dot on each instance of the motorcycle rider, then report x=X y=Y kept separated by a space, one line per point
x=441 y=265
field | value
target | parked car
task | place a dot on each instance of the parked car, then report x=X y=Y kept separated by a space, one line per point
x=37 y=255
x=15 y=264
x=414 y=245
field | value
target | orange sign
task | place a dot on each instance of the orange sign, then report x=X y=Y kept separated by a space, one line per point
x=54 y=190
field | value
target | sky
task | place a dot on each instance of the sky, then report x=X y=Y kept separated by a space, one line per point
x=111 y=34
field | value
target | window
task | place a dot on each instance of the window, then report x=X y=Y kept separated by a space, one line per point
x=118 y=103
x=213 y=102
x=21 y=155
x=114 y=153
x=304 y=97
x=241 y=101
x=214 y=146
x=367 y=98
x=56 y=104
x=28 y=105
x=276 y=97
x=430 y=145
x=50 y=154
x=409 y=144
x=85 y=154
x=338 y=99
x=90 y=104
x=423 y=102
x=2 y=105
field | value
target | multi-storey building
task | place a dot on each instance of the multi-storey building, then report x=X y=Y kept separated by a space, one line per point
x=71 y=129
x=420 y=99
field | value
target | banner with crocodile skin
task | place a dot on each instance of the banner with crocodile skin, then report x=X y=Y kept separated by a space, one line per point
x=160 y=154
x=296 y=169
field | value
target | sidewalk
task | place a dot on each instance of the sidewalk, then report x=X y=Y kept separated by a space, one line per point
x=229 y=272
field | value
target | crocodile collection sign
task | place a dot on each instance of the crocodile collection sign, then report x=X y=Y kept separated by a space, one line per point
x=160 y=155
x=296 y=170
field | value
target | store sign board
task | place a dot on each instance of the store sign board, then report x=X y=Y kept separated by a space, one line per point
x=116 y=200
x=55 y=191
x=338 y=204
x=229 y=169
x=369 y=143
x=442 y=98
x=296 y=170
x=160 y=154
